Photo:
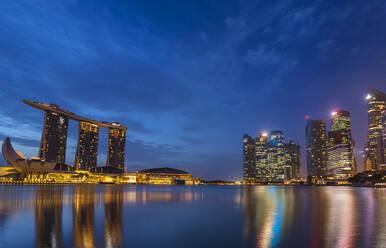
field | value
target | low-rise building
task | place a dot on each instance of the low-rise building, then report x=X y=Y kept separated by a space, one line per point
x=162 y=176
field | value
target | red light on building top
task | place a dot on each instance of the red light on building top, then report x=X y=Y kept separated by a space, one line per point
x=307 y=117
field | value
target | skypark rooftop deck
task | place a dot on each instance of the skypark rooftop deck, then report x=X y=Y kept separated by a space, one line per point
x=55 y=108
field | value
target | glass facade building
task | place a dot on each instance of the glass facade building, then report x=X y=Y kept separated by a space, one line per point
x=261 y=158
x=266 y=159
x=292 y=161
x=316 y=144
x=340 y=150
x=248 y=159
x=374 y=148
x=276 y=158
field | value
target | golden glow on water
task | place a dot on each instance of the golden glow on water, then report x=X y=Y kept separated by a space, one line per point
x=83 y=216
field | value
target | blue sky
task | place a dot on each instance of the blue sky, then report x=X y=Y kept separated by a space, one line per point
x=189 y=78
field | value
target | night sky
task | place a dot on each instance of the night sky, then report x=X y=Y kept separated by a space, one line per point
x=189 y=78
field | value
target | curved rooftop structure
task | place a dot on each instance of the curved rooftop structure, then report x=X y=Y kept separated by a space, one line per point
x=23 y=165
x=55 y=108
x=164 y=170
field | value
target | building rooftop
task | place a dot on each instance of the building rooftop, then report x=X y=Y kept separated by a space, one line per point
x=55 y=108
x=166 y=170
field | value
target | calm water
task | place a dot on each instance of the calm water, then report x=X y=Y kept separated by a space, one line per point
x=197 y=216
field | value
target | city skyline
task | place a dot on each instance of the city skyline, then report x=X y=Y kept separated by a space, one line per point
x=186 y=83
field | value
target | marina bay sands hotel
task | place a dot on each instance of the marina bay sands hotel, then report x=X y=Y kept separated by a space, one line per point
x=54 y=139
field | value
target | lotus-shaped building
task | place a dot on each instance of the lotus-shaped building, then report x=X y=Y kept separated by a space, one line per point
x=22 y=165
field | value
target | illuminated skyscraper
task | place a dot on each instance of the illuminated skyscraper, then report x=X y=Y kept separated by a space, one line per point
x=265 y=160
x=117 y=141
x=292 y=161
x=374 y=149
x=54 y=137
x=261 y=158
x=270 y=157
x=340 y=150
x=316 y=148
x=249 y=169
x=276 y=157
x=87 y=148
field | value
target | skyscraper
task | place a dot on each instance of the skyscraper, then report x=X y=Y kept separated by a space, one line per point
x=265 y=160
x=374 y=148
x=316 y=148
x=276 y=158
x=292 y=161
x=261 y=157
x=248 y=159
x=87 y=148
x=340 y=147
x=54 y=137
x=117 y=141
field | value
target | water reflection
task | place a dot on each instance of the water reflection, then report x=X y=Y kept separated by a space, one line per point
x=113 y=204
x=141 y=216
x=314 y=217
x=48 y=217
x=83 y=216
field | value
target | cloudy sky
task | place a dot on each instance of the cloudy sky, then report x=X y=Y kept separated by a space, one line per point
x=188 y=78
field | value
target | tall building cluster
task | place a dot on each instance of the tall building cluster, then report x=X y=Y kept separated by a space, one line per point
x=330 y=154
x=267 y=159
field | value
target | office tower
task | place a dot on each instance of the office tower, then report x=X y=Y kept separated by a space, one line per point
x=261 y=156
x=341 y=120
x=374 y=152
x=87 y=148
x=276 y=158
x=54 y=137
x=316 y=148
x=292 y=161
x=116 y=155
x=266 y=159
x=248 y=159
x=340 y=149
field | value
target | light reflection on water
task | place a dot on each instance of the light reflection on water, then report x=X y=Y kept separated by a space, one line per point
x=201 y=216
